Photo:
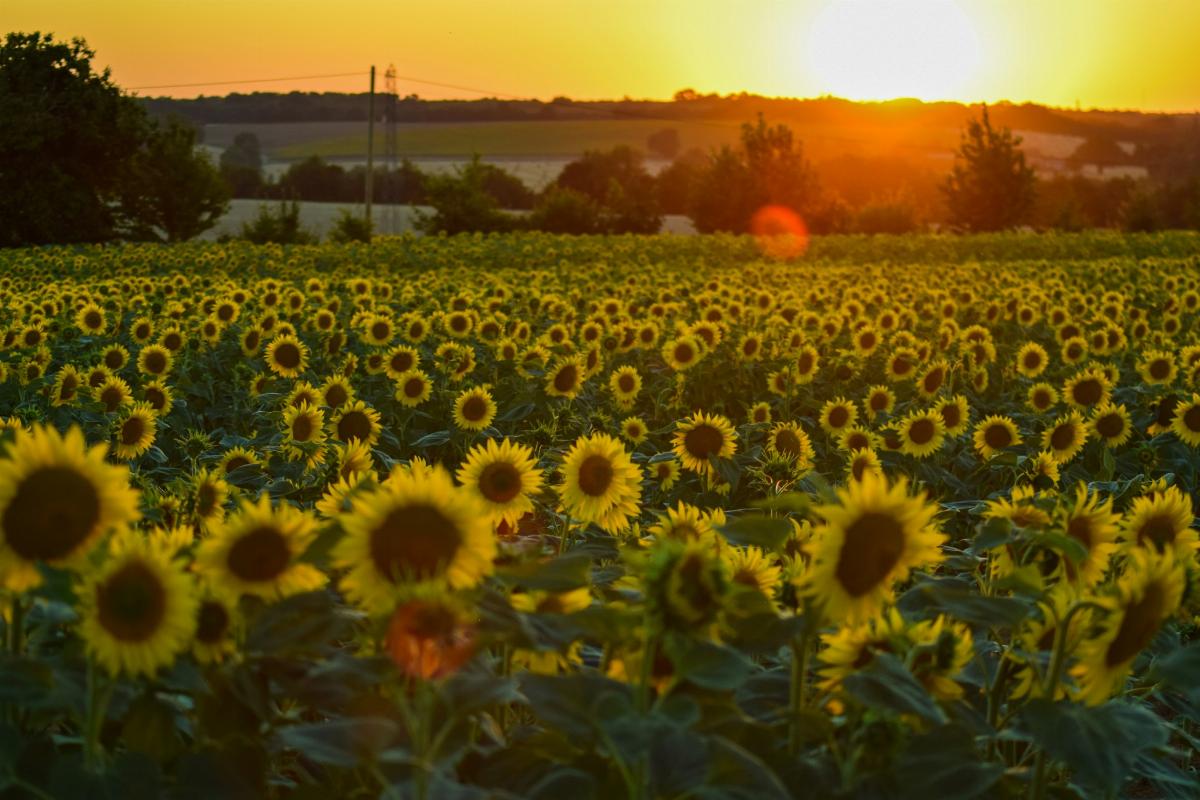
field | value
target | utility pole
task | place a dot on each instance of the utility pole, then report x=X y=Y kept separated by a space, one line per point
x=370 y=145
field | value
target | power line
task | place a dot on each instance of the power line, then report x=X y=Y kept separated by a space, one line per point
x=249 y=80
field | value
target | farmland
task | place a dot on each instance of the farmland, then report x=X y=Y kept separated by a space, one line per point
x=535 y=516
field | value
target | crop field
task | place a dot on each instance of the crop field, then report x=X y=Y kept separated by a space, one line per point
x=528 y=516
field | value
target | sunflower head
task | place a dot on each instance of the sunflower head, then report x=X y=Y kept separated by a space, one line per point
x=701 y=437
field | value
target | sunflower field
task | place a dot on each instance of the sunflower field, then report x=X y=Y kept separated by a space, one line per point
x=527 y=516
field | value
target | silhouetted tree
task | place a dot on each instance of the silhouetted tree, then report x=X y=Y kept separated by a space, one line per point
x=173 y=192
x=617 y=181
x=566 y=211
x=461 y=202
x=991 y=187
x=664 y=143
x=67 y=141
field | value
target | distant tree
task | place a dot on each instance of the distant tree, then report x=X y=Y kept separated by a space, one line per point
x=281 y=226
x=566 y=211
x=173 y=191
x=895 y=216
x=677 y=182
x=769 y=168
x=316 y=180
x=350 y=227
x=242 y=165
x=618 y=182
x=508 y=190
x=1100 y=151
x=67 y=142
x=991 y=187
x=664 y=143
x=461 y=202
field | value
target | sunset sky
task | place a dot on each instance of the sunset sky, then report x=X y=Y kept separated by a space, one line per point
x=1102 y=53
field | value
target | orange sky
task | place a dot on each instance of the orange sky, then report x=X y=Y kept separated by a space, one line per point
x=1104 y=53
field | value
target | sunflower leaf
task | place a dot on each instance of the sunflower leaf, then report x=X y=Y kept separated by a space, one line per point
x=754 y=530
x=887 y=683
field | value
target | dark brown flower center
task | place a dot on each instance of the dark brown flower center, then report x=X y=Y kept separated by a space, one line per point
x=260 y=555
x=500 y=482
x=1110 y=426
x=1063 y=436
x=131 y=604
x=1139 y=623
x=302 y=427
x=354 y=425
x=414 y=541
x=873 y=545
x=212 y=622
x=1088 y=392
x=838 y=416
x=595 y=475
x=132 y=431
x=997 y=437
x=1158 y=530
x=703 y=440
x=475 y=409
x=52 y=512
x=287 y=355
x=921 y=431
x=564 y=379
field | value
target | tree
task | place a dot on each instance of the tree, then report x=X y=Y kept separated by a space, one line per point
x=664 y=143
x=461 y=202
x=173 y=192
x=279 y=227
x=991 y=187
x=617 y=181
x=242 y=164
x=66 y=143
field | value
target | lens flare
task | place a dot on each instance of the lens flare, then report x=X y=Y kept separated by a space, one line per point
x=780 y=232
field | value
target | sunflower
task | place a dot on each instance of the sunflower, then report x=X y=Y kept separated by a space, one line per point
x=113 y=394
x=1032 y=359
x=1087 y=389
x=932 y=379
x=237 y=457
x=1186 y=422
x=1041 y=397
x=1044 y=468
x=415 y=529
x=115 y=357
x=400 y=359
x=701 y=437
x=943 y=649
x=159 y=396
x=806 y=364
x=336 y=391
x=57 y=498
x=1158 y=368
x=303 y=393
x=565 y=378
x=286 y=356
x=788 y=440
x=413 y=388
x=210 y=492
x=138 y=609
x=155 y=360
x=686 y=523
x=760 y=413
x=854 y=646
x=837 y=414
x=304 y=426
x=257 y=549
x=503 y=477
x=870 y=539
x=1147 y=594
x=752 y=568
x=67 y=384
x=1066 y=437
x=634 y=429
x=921 y=433
x=666 y=472
x=356 y=422
x=994 y=434
x=682 y=353
x=1161 y=521
x=1092 y=523
x=685 y=585
x=474 y=409
x=601 y=484
x=1036 y=639
x=955 y=413
x=625 y=383
x=1111 y=424
x=880 y=400
x=135 y=432
x=863 y=461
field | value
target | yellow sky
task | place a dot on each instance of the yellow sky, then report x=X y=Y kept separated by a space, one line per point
x=1104 y=53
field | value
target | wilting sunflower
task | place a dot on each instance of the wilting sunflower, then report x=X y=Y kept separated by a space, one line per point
x=256 y=551
x=138 y=609
x=870 y=539
x=838 y=414
x=788 y=440
x=702 y=436
x=1146 y=595
x=155 y=360
x=474 y=409
x=1066 y=437
x=1092 y=523
x=430 y=636
x=1162 y=521
x=1186 y=423
x=1032 y=359
x=994 y=434
x=921 y=433
x=355 y=421
x=57 y=498
x=503 y=477
x=416 y=529
x=286 y=356
x=565 y=378
x=135 y=432
x=413 y=388
x=1111 y=424
x=625 y=383
x=601 y=484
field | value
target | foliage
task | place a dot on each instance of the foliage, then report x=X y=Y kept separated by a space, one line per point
x=241 y=165
x=461 y=202
x=351 y=227
x=279 y=226
x=991 y=187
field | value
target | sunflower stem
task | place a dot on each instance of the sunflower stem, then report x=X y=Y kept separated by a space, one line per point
x=798 y=689
x=98 y=696
x=1037 y=789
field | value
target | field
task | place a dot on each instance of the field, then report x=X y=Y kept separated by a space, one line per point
x=534 y=517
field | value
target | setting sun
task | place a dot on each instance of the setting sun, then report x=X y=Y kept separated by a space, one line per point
x=875 y=50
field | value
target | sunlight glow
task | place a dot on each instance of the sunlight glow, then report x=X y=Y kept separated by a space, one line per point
x=880 y=49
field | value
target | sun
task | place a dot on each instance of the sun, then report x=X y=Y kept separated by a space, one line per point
x=882 y=49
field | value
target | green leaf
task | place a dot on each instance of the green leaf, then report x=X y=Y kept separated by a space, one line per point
x=768 y=533
x=517 y=413
x=1100 y=744
x=944 y=764
x=561 y=574
x=344 y=742
x=788 y=502
x=707 y=664
x=569 y=703
x=434 y=439
x=991 y=534
x=959 y=599
x=1180 y=668
x=886 y=683
x=303 y=623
